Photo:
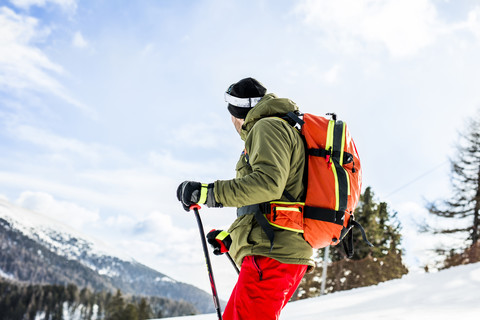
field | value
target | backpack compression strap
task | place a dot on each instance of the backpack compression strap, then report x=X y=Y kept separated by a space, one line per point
x=347 y=236
x=323 y=214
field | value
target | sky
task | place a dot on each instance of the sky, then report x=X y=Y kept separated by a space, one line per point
x=107 y=106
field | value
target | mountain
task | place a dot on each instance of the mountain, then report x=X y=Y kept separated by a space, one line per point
x=37 y=249
x=449 y=294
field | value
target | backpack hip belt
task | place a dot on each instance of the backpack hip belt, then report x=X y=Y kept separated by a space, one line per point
x=294 y=216
x=291 y=216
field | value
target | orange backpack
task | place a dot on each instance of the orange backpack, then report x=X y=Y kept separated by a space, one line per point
x=333 y=186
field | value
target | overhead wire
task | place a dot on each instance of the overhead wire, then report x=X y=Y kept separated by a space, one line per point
x=417 y=178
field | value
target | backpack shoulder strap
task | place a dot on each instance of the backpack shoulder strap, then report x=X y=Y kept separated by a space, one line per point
x=295 y=118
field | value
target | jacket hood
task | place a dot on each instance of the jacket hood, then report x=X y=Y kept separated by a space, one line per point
x=269 y=106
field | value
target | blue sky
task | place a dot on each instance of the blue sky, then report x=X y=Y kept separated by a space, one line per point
x=106 y=106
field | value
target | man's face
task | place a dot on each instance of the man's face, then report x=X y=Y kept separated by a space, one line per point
x=238 y=123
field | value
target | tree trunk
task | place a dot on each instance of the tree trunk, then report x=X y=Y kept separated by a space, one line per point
x=475 y=231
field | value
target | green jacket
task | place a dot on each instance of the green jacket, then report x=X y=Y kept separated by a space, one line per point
x=274 y=161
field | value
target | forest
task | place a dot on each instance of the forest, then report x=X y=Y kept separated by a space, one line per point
x=57 y=302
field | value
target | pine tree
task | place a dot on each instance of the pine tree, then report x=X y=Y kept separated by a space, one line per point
x=463 y=206
x=144 y=311
x=115 y=307
x=130 y=312
x=368 y=266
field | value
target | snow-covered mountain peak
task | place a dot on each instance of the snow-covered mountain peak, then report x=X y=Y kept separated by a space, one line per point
x=37 y=249
x=55 y=235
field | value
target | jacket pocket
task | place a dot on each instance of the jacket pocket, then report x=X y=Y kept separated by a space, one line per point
x=243 y=168
x=257 y=267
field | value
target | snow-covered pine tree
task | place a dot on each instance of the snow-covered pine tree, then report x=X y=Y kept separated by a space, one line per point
x=464 y=202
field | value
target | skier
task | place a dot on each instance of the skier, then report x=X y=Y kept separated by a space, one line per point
x=271 y=167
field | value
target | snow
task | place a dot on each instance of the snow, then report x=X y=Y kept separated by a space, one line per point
x=108 y=272
x=165 y=279
x=5 y=275
x=449 y=294
x=71 y=313
x=55 y=235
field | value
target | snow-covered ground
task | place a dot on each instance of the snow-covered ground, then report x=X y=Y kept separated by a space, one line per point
x=450 y=294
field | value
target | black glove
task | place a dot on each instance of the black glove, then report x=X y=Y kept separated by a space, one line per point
x=191 y=192
x=220 y=241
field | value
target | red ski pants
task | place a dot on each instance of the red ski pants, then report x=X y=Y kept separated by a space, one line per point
x=263 y=288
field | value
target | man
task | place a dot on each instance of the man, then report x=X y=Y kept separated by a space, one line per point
x=272 y=260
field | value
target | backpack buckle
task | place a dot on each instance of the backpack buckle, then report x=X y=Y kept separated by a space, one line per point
x=328 y=155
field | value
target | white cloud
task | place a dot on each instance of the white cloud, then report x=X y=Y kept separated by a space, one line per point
x=23 y=66
x=166 y=161
x=26 y=4
x=66 y=212
x=198 y=134
x=58 y=144
x=474 y=21
x=79 y=41
x=120 y=221
x=472 y=24
x=157 y=241
x=158 y=223
x=147 y=50
x=158 y=233
x=402 y=26
x=112 y=191
x=332 y=76
x=28 y=181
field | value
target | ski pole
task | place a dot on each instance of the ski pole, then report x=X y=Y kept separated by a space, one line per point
x=233 y=262
x=216 y=301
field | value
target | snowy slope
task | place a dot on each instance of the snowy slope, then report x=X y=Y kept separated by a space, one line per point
x=449 y=294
